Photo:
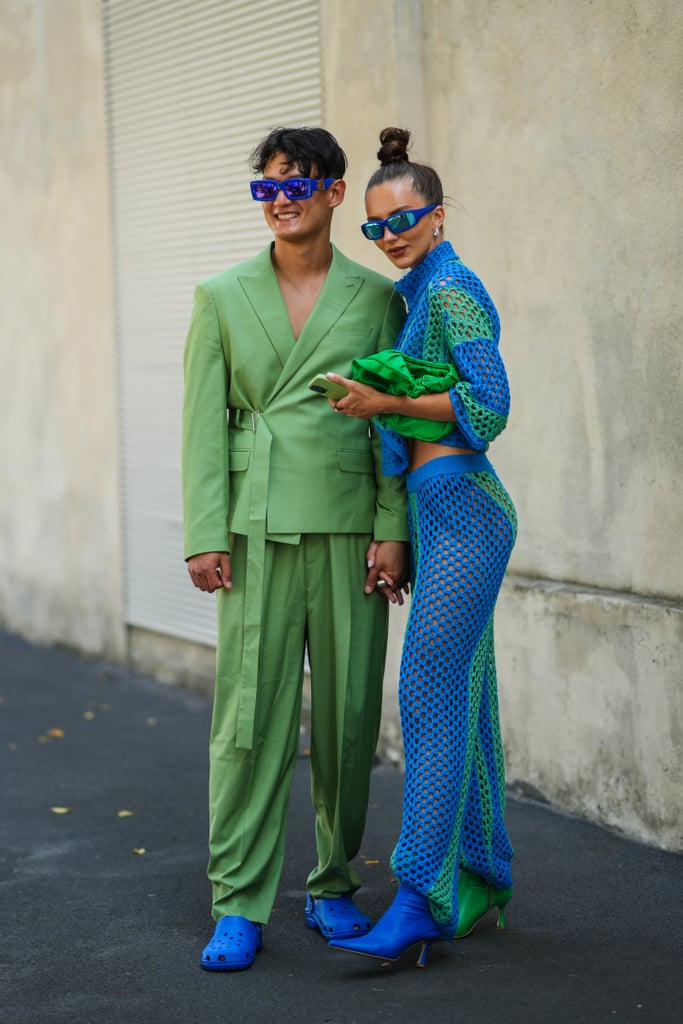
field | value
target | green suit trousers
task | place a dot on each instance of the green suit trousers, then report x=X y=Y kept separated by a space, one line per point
x=312 y=596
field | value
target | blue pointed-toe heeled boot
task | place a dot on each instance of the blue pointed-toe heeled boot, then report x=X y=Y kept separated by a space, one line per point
x=406 y=922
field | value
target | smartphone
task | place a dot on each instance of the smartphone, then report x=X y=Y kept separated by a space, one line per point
x=329 y=388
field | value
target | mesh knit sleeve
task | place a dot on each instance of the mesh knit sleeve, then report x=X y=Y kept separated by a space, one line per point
x=469 y=337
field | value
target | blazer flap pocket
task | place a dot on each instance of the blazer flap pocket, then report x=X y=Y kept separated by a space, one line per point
x=355 y=461
x=239 y=460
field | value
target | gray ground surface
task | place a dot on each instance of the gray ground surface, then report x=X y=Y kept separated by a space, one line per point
x=93 y=932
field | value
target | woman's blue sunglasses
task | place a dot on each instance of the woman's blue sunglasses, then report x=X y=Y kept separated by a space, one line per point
x=398 y=222
x=265 y=190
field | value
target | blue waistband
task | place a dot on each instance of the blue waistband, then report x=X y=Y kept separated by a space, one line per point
x=444 y=465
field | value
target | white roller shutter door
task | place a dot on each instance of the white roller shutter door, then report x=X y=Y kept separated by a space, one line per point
x=192 y=87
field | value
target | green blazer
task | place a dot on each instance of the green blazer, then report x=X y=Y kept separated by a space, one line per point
x=262 y=454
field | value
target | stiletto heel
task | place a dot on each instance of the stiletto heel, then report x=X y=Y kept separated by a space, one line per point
x=406 y=922
x=475 y=898
x=422 y=958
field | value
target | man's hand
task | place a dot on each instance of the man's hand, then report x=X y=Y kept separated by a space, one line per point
x=388 y=569
x=210 y=571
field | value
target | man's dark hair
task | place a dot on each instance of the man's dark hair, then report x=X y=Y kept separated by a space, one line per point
x=313 y=150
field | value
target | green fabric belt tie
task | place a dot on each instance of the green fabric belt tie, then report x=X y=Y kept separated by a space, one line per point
x=253 y=585
x=394 y=373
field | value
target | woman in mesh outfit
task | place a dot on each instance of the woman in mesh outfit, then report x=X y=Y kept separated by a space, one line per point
x=453 y=854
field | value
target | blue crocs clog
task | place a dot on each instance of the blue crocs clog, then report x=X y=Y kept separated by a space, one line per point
x=337 y=918
x=234 y=945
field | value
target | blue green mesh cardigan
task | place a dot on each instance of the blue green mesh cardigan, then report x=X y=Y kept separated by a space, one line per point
x=452 y=319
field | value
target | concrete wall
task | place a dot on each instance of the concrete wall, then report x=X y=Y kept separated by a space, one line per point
x=565 y=151
x=557 y=130
x=591 y=704
x=566 y=157
x=60 y=548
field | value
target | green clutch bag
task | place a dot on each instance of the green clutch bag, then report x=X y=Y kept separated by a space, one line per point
x=394 y=373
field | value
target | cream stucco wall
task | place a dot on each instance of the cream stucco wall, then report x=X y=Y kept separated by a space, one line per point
x=564 y=147
x=60 y=545
x=566 y=156
x=592 y=705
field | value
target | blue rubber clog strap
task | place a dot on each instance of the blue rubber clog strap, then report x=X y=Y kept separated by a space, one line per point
x=234 y=945
x=336 y=918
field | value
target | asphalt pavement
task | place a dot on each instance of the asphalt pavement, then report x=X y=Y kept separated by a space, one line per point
x=104 y=903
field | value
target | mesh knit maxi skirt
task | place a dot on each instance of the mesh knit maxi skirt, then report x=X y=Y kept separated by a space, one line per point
x=463 y=527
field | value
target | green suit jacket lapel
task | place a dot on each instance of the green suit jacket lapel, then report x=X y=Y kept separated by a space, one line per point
x=263 y=293
x=261 y=289
x=341 y=287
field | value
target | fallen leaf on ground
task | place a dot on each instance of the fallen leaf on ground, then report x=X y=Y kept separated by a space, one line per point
x=139 y=850
x=61 y=810
x=125 y=814
x=371 y=862
x=151 y=721
x=89 y=715
x=56 y=734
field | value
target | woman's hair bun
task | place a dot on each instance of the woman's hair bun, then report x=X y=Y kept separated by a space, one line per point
x=394 y=143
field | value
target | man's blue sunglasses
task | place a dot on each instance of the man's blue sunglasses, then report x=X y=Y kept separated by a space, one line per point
x=265 y=190
x=398 y=222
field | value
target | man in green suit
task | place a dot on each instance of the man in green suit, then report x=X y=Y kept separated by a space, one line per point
x=289 y=519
